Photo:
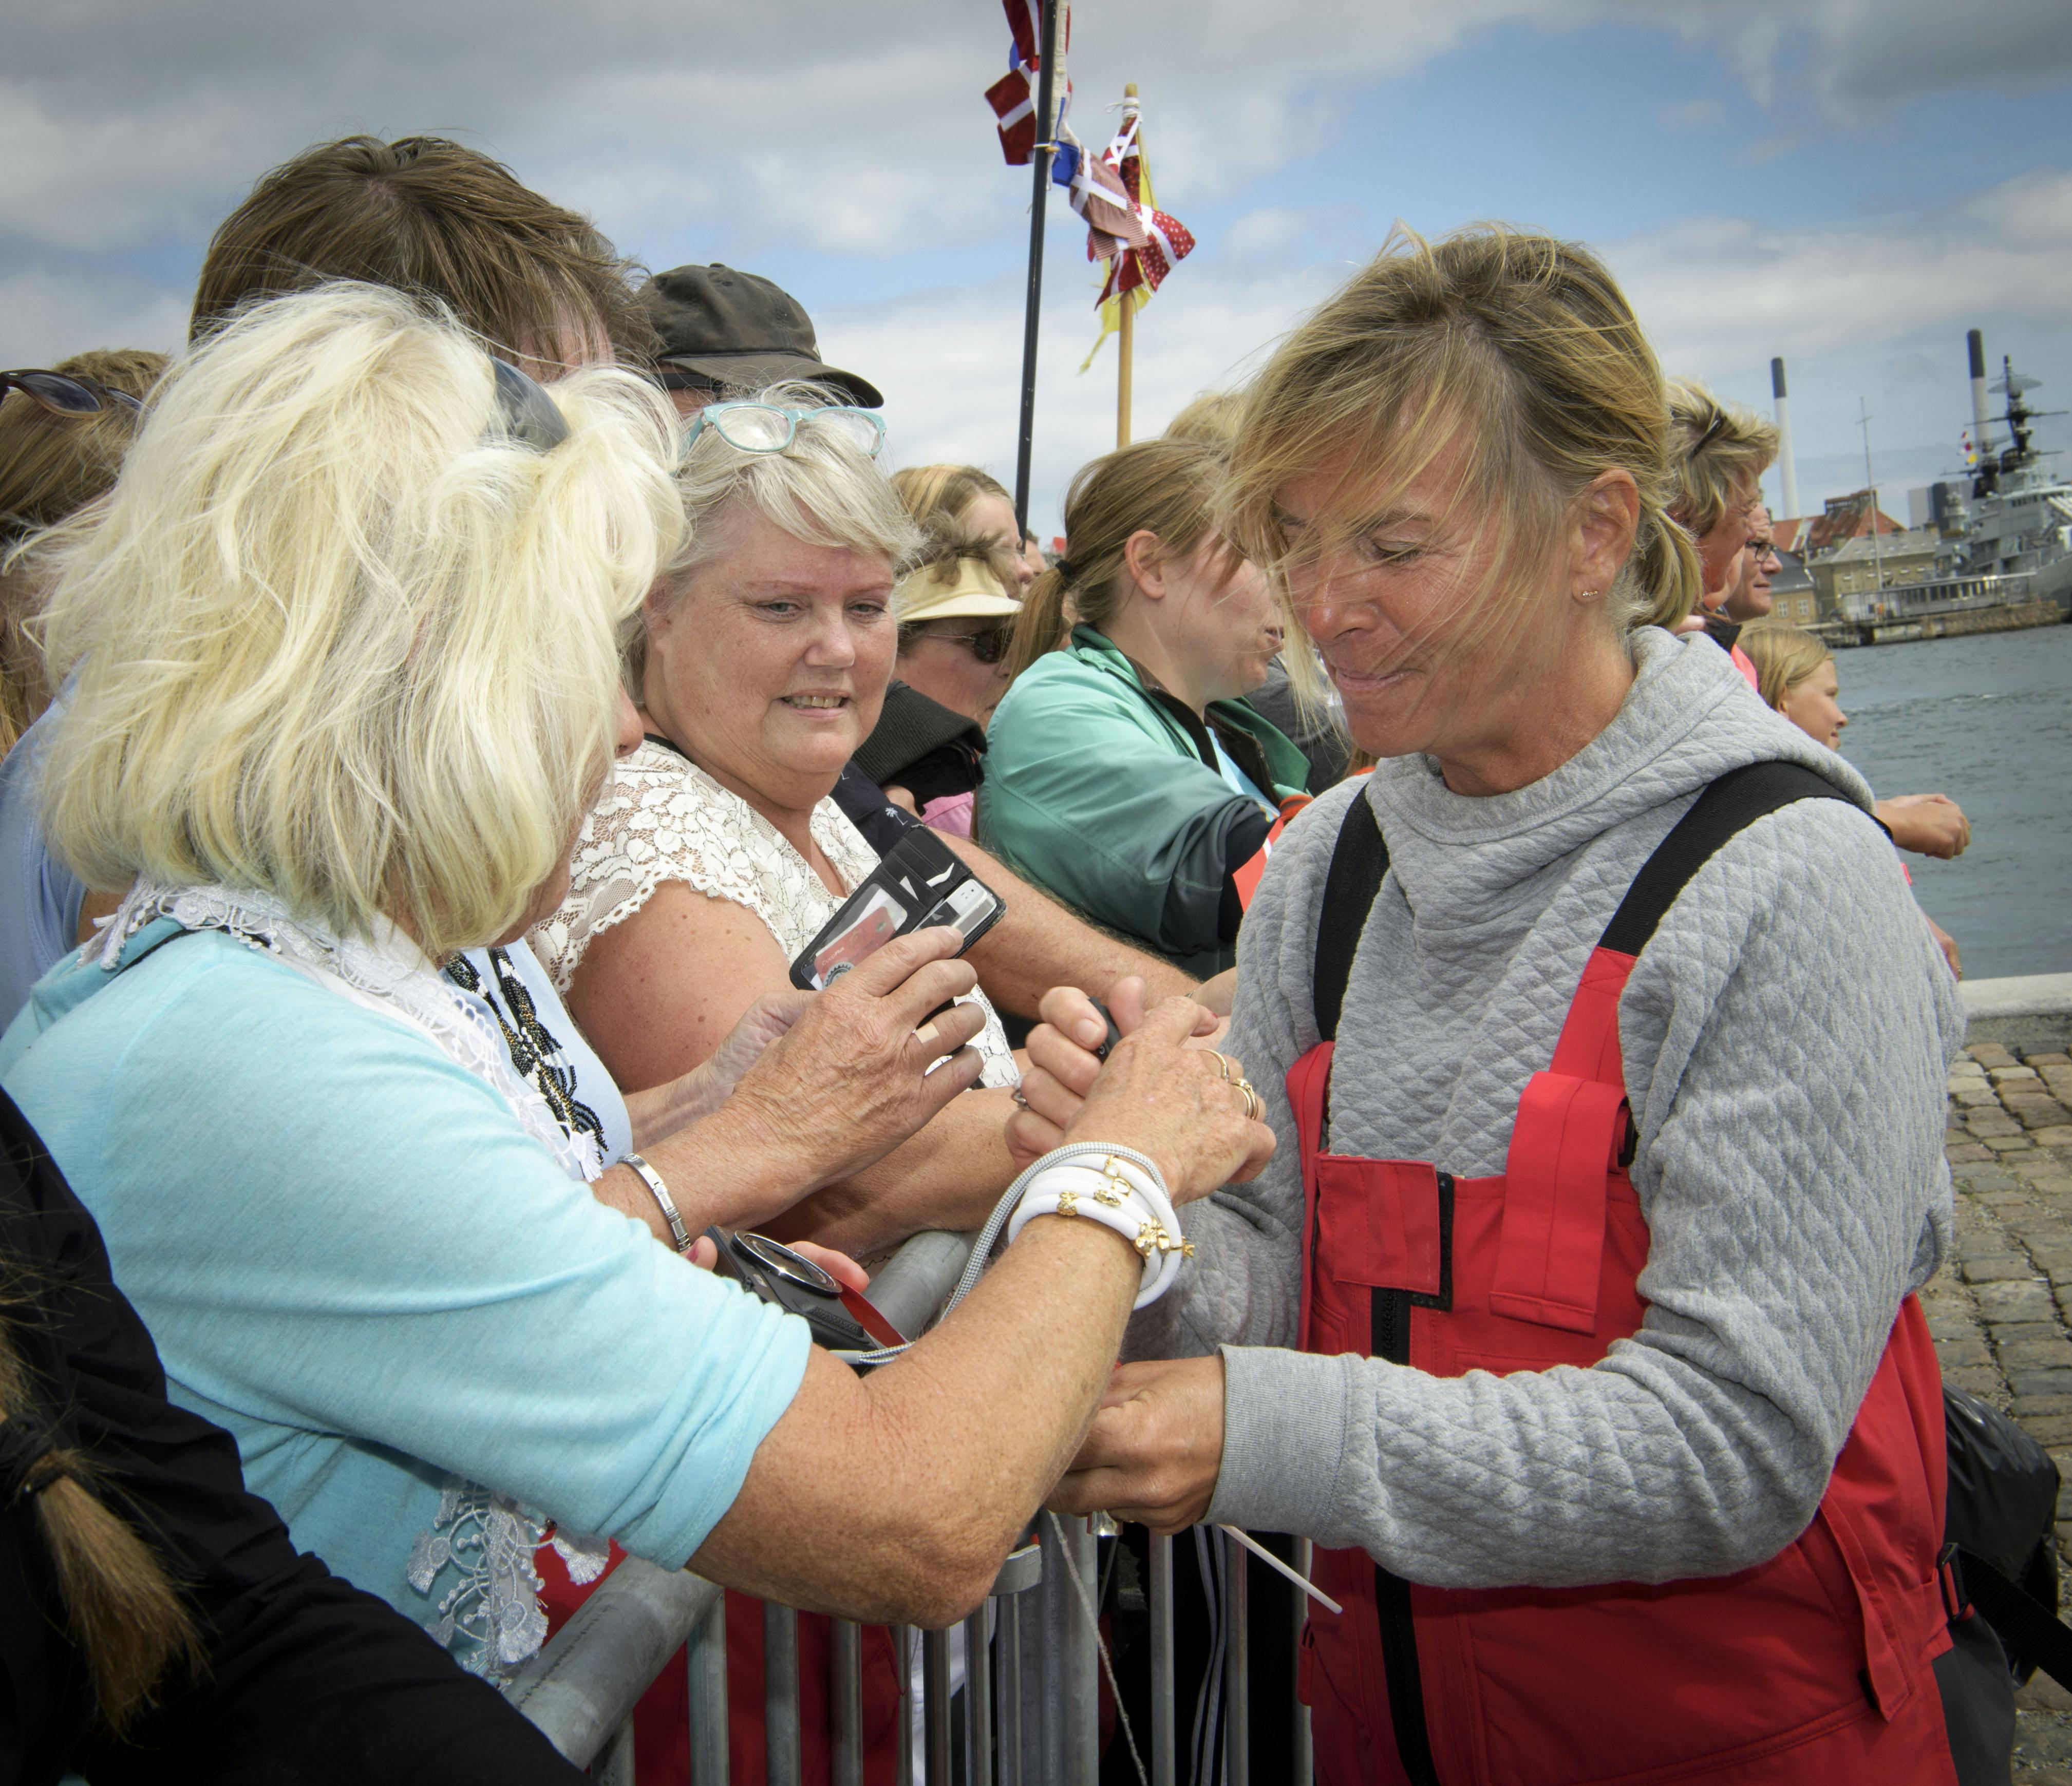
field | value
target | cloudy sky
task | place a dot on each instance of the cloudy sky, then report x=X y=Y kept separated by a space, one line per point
x=1850 y=183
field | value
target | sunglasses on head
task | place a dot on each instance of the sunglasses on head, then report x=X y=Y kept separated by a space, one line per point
x=989 y=646
x=530 y=416
x=768 y=428
x=60 y=394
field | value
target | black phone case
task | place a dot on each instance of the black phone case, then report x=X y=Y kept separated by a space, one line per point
x=922 y=881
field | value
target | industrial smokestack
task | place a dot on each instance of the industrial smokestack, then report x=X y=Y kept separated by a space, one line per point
x=1787 y=471
x=1982 y=416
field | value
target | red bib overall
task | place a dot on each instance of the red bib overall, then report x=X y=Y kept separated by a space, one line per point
x=1814 y=1666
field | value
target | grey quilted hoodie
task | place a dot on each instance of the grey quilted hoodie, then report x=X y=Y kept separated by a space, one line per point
x=1786 y=1035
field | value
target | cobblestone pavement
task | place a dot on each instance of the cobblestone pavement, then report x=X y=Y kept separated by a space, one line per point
x=2001 y=1311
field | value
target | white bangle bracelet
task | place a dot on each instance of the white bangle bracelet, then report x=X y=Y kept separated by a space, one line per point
x=1119 y=1195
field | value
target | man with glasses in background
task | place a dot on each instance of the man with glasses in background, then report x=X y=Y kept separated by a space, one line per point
x=1749 y=599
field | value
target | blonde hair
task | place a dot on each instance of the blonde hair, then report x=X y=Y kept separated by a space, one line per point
x=1163 y=486
x=823 y=489
x=51 y=466
x=1722 y=451
x=941 y=496
x=1519 y=348
x=340 y=637
x=122 y=1611
x=1212 y=416
x=1784 y=657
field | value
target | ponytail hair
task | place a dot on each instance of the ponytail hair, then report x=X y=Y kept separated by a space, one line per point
x=1663 y=575
x=1167 y=486
x=122 y=1611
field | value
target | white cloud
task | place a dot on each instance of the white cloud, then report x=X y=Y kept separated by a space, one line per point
x=812 y=120
x=1719 y=292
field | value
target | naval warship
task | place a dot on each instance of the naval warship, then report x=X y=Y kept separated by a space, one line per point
x=2005 y=531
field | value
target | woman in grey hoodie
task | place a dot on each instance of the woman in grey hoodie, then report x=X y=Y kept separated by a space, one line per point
x=1598 y=1366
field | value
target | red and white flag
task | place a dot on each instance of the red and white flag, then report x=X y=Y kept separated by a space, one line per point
x=1013 y=97
x=1126 y=227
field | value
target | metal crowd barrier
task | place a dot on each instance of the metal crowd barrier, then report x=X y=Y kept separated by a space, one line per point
x=1030 y=1694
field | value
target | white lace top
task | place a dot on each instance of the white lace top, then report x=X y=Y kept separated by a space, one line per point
x=662 y=819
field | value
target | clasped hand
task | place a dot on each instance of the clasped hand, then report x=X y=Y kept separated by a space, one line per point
x=1182 y=1105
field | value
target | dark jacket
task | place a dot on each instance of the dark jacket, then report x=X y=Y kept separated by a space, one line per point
x=308 y=1680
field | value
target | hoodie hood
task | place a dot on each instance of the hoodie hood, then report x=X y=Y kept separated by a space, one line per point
x=1689 y=717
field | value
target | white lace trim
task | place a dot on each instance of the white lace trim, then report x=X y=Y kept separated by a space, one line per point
x=661 y=819
x=490 y=1617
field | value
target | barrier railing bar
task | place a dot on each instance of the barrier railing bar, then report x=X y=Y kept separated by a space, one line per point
x=1158 y=1600
x=582 y=1687
x=1305 y=1759
x=1237 y=1668
x=1008 y=1661
x=707 y=1663
x=903 y=1650
x=614 y=1767
x=936 y=1705
x=845 y=1660
x=978 y=1701
x=780 y=1696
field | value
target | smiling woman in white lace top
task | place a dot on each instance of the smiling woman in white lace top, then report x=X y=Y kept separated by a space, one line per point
x=715 y=853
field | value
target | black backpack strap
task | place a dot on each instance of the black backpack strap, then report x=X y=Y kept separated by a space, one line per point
x=1357 y=865
x=1729 y=806
x=2025 y=1625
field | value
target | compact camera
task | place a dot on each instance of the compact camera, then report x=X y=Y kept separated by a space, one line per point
x=840 y=1318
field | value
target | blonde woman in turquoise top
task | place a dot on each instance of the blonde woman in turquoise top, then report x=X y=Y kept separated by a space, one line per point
x=351 y=733
x=1125 y=773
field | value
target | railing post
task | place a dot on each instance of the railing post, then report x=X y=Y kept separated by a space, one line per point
x=1165 y=1750
x=1009 y=1662
x=780 y=1695
x=1237 y=1668
x=708 y=1706
x=1070 y=1694
x=978 y=1701
x=845 y=1665
x=903 y=1650
x=1305 y=1759
x=614 y=1767
x=936 y=1705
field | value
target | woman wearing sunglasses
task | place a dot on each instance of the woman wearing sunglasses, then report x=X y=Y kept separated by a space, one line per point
x=1125 y=773
x=957 y=618
x=715 y=853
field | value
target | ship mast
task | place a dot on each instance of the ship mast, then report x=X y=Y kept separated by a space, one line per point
x=1870 y=486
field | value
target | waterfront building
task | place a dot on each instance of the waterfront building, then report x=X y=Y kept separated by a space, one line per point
x=1860 y=564
x=1793 y=595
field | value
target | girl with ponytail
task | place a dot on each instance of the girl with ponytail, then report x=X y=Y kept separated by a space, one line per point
x=156 y=1623
x=1125 y=772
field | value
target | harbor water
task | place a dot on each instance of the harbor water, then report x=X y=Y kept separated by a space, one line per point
x=1988 y=720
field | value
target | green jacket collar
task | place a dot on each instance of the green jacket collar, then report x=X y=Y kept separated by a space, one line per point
x=1286 y=767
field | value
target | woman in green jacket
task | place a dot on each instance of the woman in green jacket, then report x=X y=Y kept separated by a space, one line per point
x=1125 y=773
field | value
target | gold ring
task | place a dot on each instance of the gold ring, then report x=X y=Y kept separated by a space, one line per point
x=1255 y=1106
x=1223 y=1066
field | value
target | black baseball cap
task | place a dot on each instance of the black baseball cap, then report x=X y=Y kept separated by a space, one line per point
x=735 y=329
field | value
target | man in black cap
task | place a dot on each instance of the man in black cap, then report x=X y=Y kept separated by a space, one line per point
x=725 y=331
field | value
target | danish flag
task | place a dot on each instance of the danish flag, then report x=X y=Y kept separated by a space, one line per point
x=1012 y=96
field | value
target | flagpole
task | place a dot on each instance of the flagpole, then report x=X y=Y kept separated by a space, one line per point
x=1047 y=144
x=1126 y=303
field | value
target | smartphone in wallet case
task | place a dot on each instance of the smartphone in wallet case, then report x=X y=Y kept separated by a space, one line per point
x=921 y=883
